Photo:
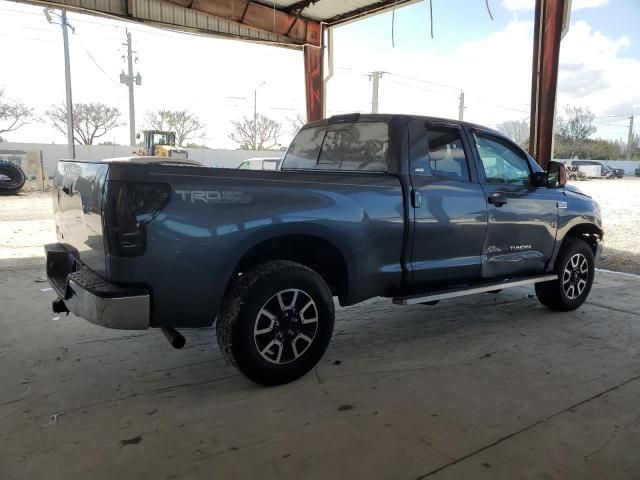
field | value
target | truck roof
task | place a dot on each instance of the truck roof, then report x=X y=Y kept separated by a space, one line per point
x=386 y=117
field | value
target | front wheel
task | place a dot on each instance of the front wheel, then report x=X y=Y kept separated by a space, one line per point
x=575 y=268
x=276 y=322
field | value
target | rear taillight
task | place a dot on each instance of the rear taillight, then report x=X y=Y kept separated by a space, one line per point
x=129 y=206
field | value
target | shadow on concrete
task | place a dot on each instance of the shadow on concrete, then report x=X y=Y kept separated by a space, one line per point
x=21 y=263
x=620 y=261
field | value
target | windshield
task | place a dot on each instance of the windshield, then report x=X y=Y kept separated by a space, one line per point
x=164 y=139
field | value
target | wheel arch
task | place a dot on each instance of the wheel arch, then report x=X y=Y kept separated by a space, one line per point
x=587 y=231
x=590 y=233
x=311 y=250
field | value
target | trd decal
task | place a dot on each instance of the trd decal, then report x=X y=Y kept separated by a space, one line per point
x=213 y=196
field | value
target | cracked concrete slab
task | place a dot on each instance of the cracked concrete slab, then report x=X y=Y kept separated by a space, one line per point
x=491 y=386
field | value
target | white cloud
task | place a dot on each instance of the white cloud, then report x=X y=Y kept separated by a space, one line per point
x=579 y=4
x=518 y=5
x=495 y=73
x=595 y=73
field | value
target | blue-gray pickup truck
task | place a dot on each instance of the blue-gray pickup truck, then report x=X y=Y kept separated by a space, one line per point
x=413 y=208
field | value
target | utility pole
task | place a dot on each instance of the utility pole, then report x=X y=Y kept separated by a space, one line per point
x=375 y=76
x=461 y=106
x=255 y=115
x=630 y=140
x=255 y=119
x=128 y=80
x=67 y=76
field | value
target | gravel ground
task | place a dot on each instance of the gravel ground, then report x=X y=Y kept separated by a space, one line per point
x=620 y=203
x=26 y=223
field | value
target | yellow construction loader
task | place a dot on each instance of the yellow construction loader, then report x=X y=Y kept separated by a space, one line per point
x=157 y=143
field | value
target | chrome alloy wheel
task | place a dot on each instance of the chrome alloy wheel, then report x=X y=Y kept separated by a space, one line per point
x=575 y=276
x=286 y=326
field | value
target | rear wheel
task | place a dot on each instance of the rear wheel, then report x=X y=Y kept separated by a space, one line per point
x=276 y=322
x=575 y=269
x=12 y=178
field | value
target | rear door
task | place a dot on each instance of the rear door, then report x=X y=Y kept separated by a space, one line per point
x=523 y=218
x=448 y=206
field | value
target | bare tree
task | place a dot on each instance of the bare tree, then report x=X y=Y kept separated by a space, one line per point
x=516 y=130
x=13 y=114
x=90 y=120
x=577 y=124
x=185 y=124
x=295 y=124
x=260 y=135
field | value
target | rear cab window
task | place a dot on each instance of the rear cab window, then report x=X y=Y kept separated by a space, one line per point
x=349 y=147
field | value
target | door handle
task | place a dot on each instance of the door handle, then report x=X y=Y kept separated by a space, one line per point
x=416 y=199
x=497 y=199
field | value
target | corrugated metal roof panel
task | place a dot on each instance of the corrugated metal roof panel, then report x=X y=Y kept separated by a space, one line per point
x=177 y=16
x=324 y=10
x=113 y=7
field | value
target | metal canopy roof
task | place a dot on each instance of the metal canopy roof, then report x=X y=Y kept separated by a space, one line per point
x=292 y=23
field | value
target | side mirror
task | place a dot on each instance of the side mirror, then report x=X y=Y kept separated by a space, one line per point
x=138 y=136
x=556 y=175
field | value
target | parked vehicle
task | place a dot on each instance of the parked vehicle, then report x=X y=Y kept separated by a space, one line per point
x=605 y=170
x=12 y=178
x=266 y=163
x=574 y=173
x=413 y=208
x=159 y=143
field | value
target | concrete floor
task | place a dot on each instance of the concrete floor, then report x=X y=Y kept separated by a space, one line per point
x=491 y=386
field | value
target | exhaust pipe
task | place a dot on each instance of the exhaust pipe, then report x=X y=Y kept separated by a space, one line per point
x=175 y=338
x=58 y=306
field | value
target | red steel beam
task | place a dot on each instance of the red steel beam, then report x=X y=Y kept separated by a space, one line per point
x=314 y=86
x=546 y=54
x=301 y=30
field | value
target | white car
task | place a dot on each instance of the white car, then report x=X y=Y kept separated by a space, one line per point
x=263 y=163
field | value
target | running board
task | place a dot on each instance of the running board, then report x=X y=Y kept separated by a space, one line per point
x=461 y=292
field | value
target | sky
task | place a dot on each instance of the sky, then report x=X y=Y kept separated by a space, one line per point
x=488 y=59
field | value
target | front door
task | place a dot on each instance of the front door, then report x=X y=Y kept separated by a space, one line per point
x=448 y=207
x=523 y=218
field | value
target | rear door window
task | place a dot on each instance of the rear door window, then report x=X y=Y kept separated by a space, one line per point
x=352 y=147
x=437 y=151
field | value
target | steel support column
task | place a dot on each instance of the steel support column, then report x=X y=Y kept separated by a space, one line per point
x=313 y=79
x=549 y=15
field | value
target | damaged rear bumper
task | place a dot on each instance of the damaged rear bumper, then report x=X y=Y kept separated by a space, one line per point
x=89 y=296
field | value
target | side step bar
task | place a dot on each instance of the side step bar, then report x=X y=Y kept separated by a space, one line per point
x=461 y=292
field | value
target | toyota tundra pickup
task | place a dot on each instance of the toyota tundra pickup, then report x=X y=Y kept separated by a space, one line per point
x=412 y=208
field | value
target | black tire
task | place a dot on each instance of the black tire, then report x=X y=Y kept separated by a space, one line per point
x=243 y=327
x=574 y=264
x=15 y=181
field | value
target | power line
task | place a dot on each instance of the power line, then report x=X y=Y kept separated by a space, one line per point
x=96 y=63
x=424 y=81
x=421 y=88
